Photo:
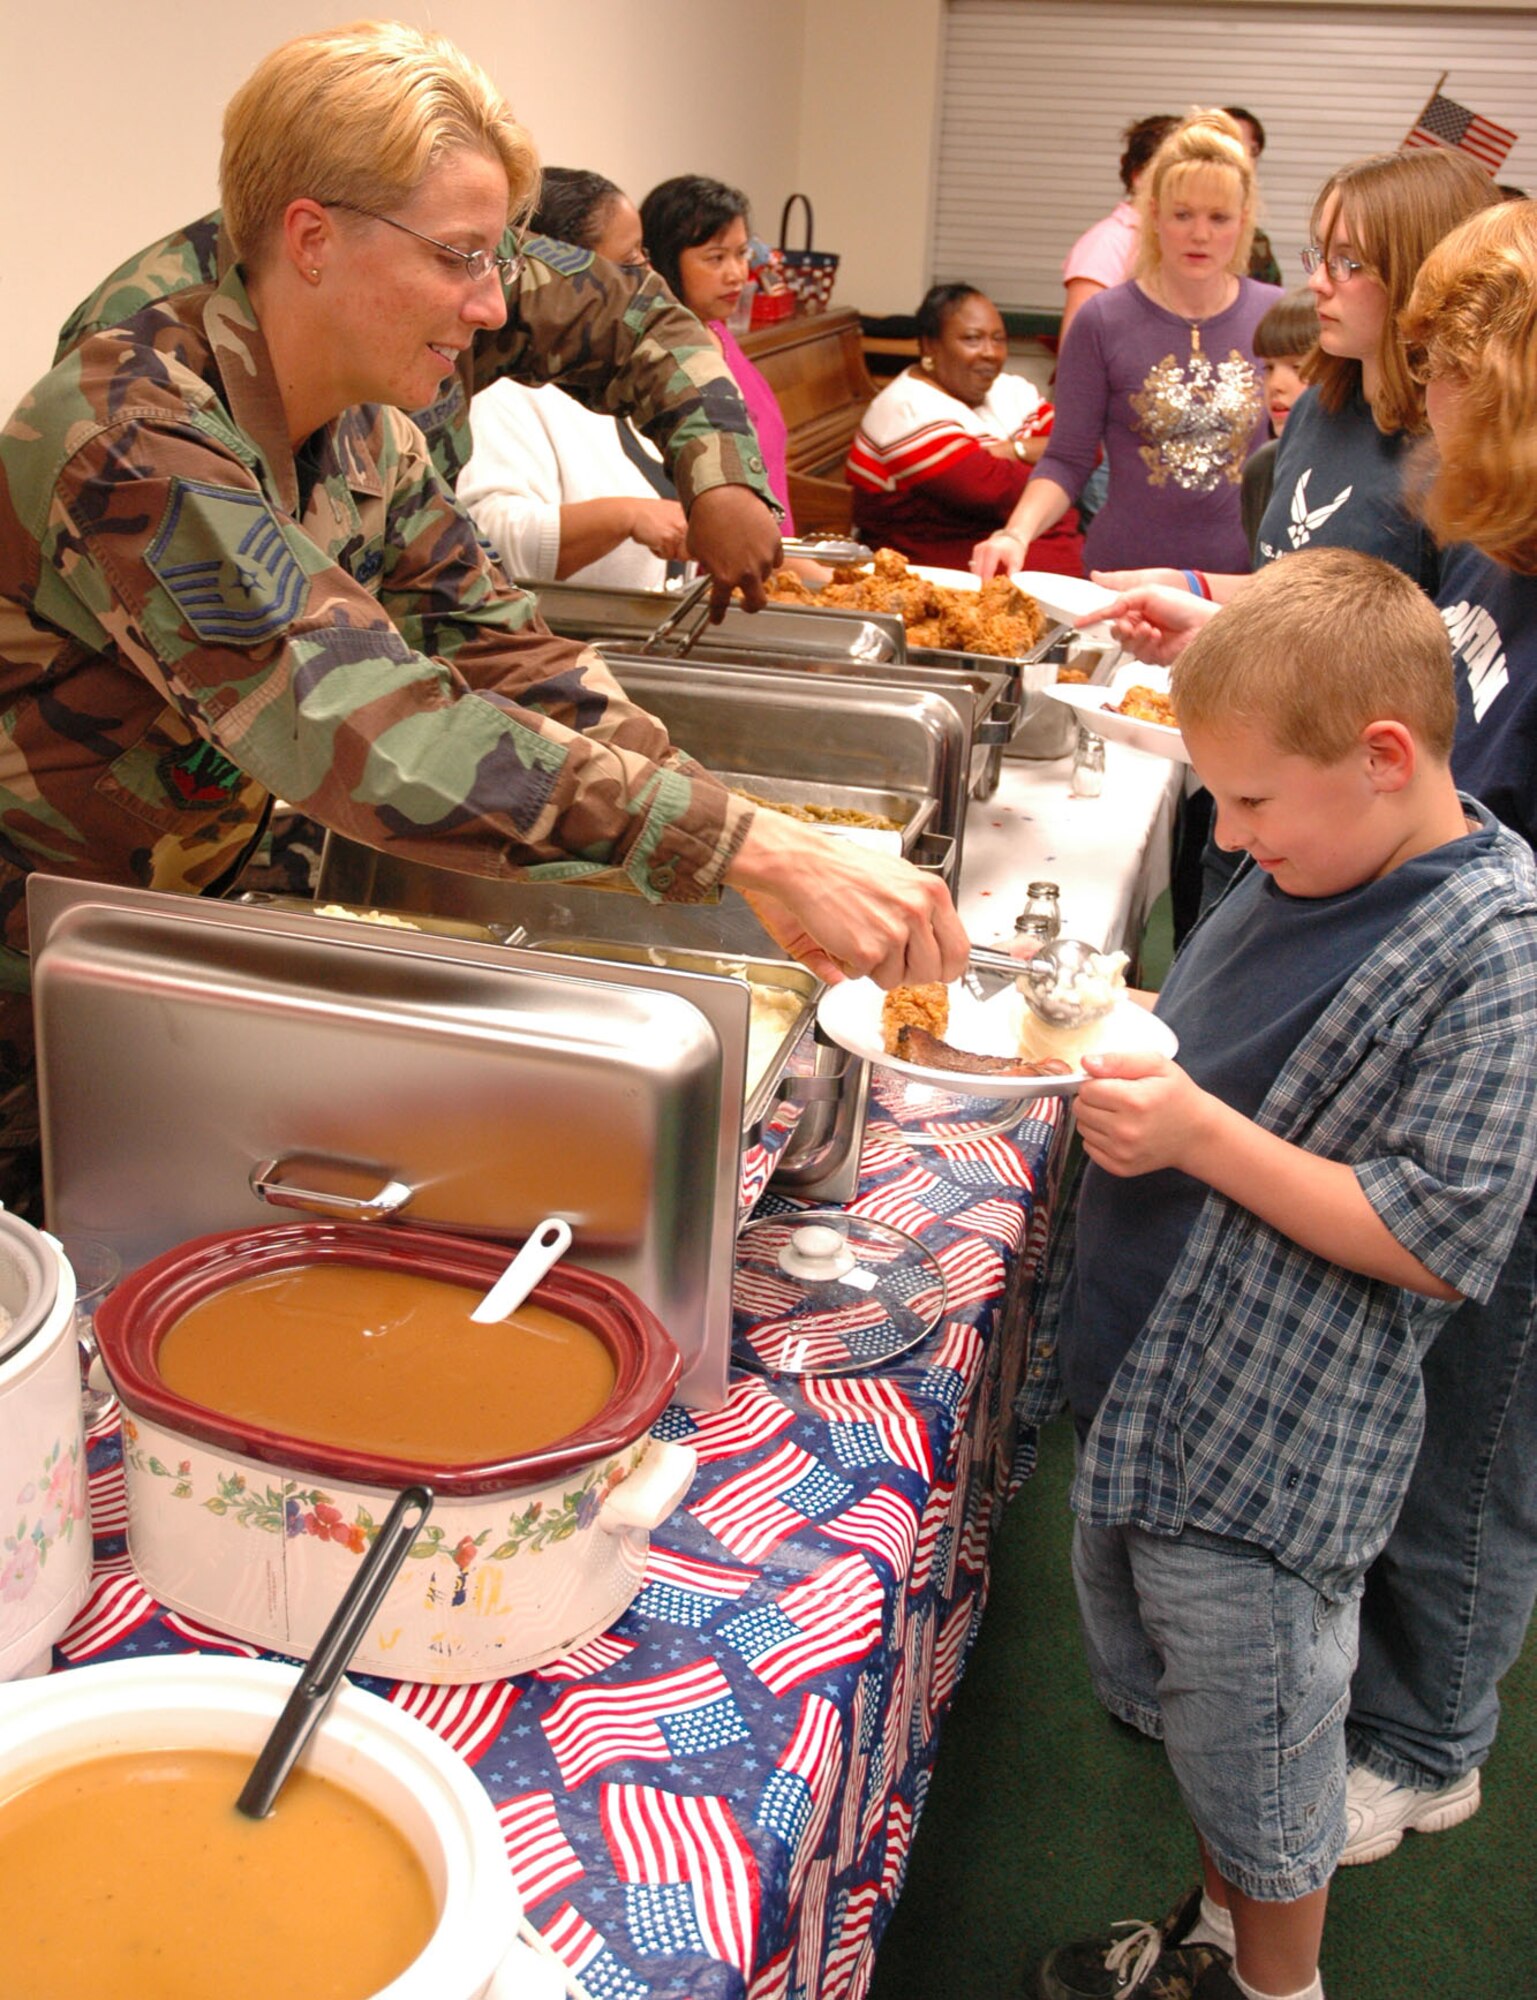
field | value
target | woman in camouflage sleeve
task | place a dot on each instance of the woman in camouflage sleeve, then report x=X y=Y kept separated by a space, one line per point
x=229 y=571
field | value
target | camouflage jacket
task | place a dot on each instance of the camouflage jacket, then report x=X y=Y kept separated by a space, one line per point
x=614 y=338
x=191 y=622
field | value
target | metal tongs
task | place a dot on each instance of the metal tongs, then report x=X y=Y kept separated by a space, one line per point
x=689 y=617
x=837 y=550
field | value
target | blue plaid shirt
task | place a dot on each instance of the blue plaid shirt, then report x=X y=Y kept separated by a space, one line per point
x=1274 y=1396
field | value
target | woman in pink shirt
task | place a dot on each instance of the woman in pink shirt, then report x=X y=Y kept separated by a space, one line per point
x=1106 y=254
x=696 y=238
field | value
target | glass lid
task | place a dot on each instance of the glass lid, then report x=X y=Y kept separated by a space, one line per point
x=823 y=1292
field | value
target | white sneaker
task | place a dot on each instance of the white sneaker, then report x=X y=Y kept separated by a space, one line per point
x=1378 y=1812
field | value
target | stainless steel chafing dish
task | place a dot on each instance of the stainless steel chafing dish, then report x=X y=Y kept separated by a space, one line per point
x=203 y=1063
x=991 y=695
x=894 y=752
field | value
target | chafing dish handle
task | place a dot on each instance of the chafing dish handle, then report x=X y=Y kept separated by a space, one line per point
x=933 y=853
x=999 y=724
x=267 y=1185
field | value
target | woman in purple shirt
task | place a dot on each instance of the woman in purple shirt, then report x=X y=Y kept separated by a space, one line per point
x=1161 y=372
x=696 y=238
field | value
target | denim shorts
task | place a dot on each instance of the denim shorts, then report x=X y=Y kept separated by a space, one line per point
x=1244 y=1670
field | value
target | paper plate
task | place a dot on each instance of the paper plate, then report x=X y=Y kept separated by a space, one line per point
x=850 y=1015
x=1094 y=705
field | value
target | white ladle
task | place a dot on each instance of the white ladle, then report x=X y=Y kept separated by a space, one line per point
x=546 y=1246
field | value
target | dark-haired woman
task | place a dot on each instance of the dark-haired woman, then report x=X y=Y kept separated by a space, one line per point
x=1106 y=254
x=946 y=448
x=696 y=233
x=561 y=492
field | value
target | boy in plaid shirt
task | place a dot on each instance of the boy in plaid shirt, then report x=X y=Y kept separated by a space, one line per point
x=1270 y=1233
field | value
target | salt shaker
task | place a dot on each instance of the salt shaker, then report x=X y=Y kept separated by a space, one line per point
x=1039 y=921
x=1088 y=765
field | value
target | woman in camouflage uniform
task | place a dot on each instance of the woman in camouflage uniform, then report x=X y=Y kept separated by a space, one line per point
x=229 y=570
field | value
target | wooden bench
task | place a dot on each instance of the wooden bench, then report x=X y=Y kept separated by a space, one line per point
x=815 y=366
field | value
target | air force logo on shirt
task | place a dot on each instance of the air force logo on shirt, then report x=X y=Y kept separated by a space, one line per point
x=221 y=554
x=1480 y=652
x=1305 y=520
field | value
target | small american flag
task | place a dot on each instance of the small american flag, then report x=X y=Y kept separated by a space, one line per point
x=831 y=1619
x=1450 y=125
x=541 y=1858
x=673 y=1715
x=469 y=1719
x=691 y=1879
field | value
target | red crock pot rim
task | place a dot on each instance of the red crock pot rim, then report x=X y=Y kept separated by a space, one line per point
x=647 y=1367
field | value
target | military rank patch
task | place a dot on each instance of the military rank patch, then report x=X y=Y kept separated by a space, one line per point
x=567 y=258
x=222 y=556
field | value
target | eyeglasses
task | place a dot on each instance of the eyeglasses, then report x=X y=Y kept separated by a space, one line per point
x=477 y=264
x=1341 y=269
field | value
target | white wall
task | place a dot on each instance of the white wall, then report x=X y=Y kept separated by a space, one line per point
x=109 y=115
x=109 y=121
x=869 y=115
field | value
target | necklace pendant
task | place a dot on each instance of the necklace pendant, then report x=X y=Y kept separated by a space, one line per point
x=1195 y=338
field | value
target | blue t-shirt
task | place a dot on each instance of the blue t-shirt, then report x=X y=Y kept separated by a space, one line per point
x=1491 y=614
x=1252 y=981
x=1339 y=484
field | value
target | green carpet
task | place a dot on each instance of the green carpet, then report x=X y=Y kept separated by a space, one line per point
x=1047 y=1821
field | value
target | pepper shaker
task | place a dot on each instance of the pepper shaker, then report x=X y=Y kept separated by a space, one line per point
x=1039 y=921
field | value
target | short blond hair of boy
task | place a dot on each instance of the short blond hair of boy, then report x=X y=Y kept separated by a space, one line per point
x=1314 y=648
x=359 y=116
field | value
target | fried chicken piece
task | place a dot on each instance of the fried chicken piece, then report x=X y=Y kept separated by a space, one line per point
x=1145 y=704
x=998 y=620
x=904 y=1007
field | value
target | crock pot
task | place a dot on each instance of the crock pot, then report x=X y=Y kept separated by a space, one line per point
x=258 y=1533
x=45 y=1533
x=201 y=1702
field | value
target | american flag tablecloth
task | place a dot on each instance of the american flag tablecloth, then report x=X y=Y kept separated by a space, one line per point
x=717 y=1797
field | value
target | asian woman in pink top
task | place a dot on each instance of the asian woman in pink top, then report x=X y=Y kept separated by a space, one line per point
x=696 y=234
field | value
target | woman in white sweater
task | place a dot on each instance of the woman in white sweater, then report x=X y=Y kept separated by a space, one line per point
x=562 y=492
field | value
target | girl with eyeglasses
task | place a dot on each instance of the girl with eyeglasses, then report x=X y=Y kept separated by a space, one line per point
x=1338 y=478
x=1339 y=466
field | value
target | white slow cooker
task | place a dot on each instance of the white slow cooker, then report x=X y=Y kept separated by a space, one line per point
x=45 y=1526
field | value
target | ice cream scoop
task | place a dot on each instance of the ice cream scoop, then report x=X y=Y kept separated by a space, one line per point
x=1069 y=984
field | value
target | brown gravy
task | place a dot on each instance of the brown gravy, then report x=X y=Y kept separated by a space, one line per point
x=387 y=1361
x=133 y=1875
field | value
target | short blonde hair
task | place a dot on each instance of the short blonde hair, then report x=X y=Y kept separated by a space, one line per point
x=1204 y=150
x=1397 y=207
x=359 y=116
x=1314 y=648
x=1473 y=318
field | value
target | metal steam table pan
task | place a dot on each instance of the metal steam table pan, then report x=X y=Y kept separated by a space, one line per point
x=206 y=1066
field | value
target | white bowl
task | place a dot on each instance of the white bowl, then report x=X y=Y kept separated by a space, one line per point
x=200 y=1702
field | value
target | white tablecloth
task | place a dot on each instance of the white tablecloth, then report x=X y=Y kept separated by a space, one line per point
x=1110 y=855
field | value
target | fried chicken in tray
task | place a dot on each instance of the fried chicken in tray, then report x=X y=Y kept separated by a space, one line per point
x=998 y=619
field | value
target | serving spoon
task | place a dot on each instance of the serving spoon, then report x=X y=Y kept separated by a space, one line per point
x=317 y=1684
x=545 y=1246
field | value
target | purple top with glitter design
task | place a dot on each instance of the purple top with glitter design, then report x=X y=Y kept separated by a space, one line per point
x=1177 y=422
